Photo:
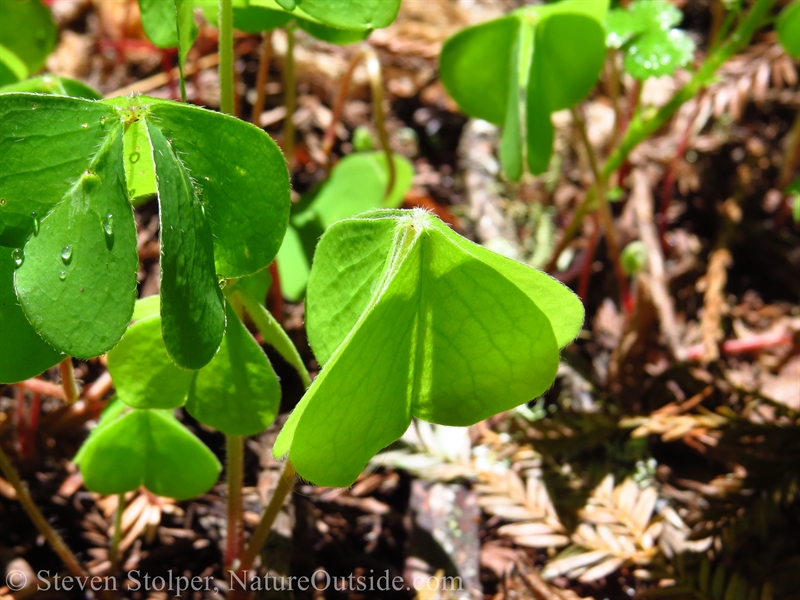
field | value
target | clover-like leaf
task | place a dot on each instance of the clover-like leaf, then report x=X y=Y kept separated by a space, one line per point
x=224 y=214
x=149 y=448
x=341 y=14
x=788 y=27
x=253 y=18
x=357 y=184
x=515 y=71
x=77 y=280
x=53 y=84
x=237 y=392
x=23 y=353
x=27 y=29
x=645 y=30
x=408 y=319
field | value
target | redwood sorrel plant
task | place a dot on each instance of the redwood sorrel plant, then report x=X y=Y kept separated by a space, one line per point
x=407 y=318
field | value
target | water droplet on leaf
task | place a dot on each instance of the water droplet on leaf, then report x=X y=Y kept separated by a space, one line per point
x=85 y=125
x=66 y=254
x=62 y=275
x=35 y=223
x=18 y=257
x=108 y=225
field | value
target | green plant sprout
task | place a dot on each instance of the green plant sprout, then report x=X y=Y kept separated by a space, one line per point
x=517 y=70
x=646 y=32
x=407 y=319
x=28 y=35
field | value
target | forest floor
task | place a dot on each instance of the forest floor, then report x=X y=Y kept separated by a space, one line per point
x=665 y=460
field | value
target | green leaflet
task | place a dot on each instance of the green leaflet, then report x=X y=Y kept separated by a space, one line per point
x=143 y=374
x=237 y=392
x=646 y=32
x=246 y=194
x=27 y=30
x=192 y=306
x=77 y=281
x=357 y=184
x=53 y=84
x=66 y=171
x=149 y=448
x=341 y=14
x=256 y=19
x=516 y=70
x=23 y=354
x=788 y=27
x=408 y=319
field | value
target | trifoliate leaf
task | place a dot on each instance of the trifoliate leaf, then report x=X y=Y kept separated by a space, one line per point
x=408 y=319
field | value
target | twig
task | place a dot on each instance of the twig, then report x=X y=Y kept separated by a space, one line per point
x=113 y=550
x=373 y=65
x=290 y=97
x=235 y=475
x=754 y=343
x=44 y=387
x=268 y=517
x=642 y=199
x=71 y=392
x=262 y=78
x=161 y=79
x=606 y=218
x=588 y=259
x=50 y=534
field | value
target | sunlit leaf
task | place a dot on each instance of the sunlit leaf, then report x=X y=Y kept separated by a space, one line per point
x=149 y=448
x=515 y=71
x=408 y=319
x=53 y=84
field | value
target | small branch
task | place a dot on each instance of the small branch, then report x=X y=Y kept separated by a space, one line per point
x=290 y=98
x=373 y=65
x=376 y=84
x=586 y=270
x=226 y=81
x=268 y=518
x=71 y=392
x=235 y=469
x=113 y=551
x=262 y=77
x=338 y=105
x=43 y=387
x=606 y=218
x=50 y=534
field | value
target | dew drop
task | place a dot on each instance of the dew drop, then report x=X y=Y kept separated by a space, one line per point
x=35 y=223
x=222 y=282
x=2 y=201
x=66 y=254
x=85 y=125
x=108 y=225
x=18 y=257
x=62 y=275
x=34 y=106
